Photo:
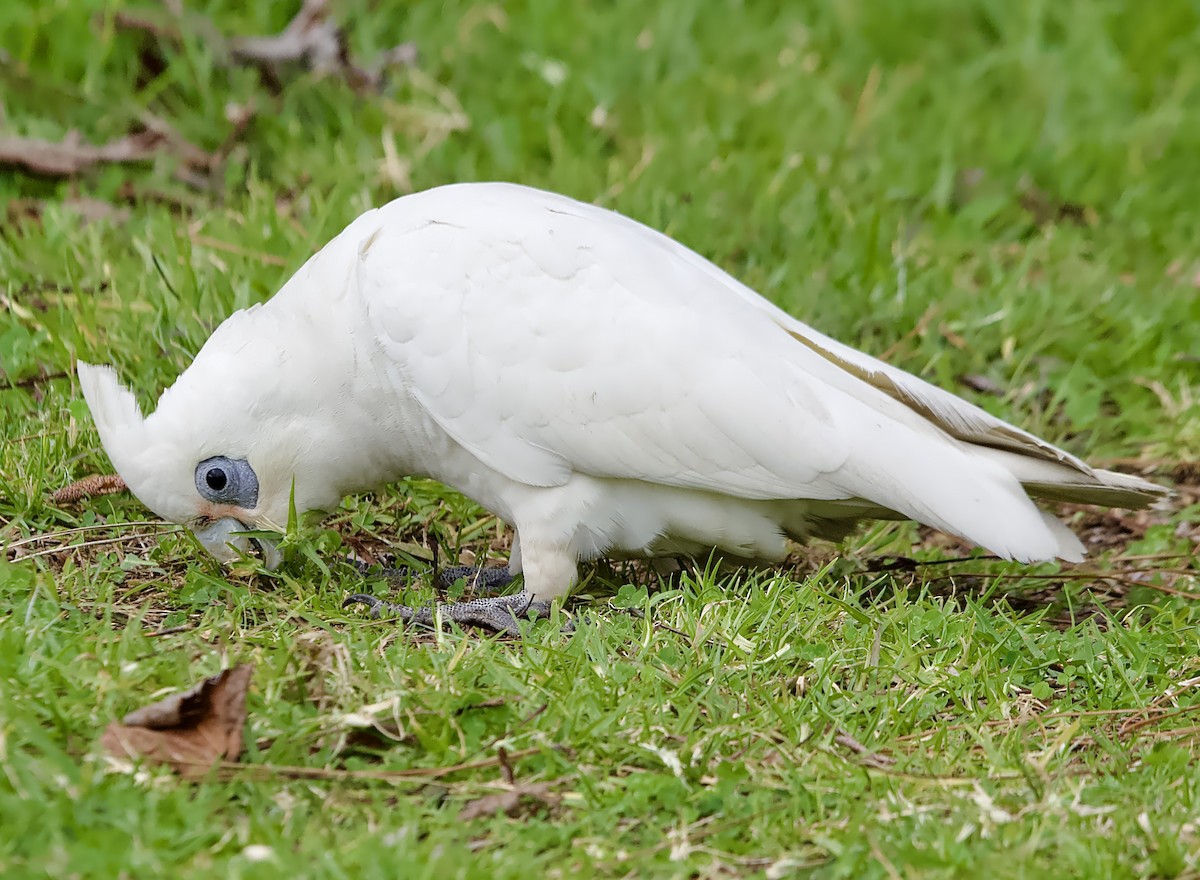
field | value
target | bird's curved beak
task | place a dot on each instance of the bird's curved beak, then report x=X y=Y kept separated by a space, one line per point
x=223 y=538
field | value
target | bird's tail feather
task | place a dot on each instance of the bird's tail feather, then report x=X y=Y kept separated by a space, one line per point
x=1052 y=481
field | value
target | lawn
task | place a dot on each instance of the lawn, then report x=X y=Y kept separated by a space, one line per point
x=1001 y=197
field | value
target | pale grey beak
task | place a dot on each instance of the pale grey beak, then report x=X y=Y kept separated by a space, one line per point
x=221 y=539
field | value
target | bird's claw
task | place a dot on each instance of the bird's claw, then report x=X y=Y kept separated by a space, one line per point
x=375 y=606
x=498 y=613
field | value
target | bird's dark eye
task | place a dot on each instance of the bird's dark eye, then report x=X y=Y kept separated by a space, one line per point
x=216 y=479
x=225 y=480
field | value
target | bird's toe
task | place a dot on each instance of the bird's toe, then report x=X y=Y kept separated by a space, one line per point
x=502 y=614
x=375 y=606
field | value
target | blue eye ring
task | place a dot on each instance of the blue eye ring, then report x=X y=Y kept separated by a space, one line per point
x=224 y=480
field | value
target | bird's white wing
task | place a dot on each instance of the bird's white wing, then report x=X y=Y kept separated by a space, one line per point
x=549 y=337
x=544 y=350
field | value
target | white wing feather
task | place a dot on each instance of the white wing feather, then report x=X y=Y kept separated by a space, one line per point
x=550 y=337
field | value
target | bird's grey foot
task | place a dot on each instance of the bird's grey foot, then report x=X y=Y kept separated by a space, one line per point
x=479 y=580
x=499 y=613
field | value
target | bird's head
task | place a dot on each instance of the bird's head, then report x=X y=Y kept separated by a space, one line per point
x=248 y=429
x=216 y=469
x=262 y=422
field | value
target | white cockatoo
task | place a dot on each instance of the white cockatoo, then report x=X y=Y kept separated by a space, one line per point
x=600 y=387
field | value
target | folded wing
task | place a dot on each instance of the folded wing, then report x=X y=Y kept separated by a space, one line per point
x=550 y=337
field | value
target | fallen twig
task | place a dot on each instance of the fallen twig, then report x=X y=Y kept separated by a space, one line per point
x=311 y=39
x=100 y=542
x=874 y=759
x=72 y=155
x=96 y=527
x=31 y=381
x=228 y=770
x=1124 y=579
x=229 y=247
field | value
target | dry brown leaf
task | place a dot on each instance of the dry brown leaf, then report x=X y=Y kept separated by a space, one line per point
x=72 y=155
x=511 y=801
x=89 y=487
x=190 y=731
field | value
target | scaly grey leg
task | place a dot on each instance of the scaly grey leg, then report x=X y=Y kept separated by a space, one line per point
x=499 y=613
x=480 y=580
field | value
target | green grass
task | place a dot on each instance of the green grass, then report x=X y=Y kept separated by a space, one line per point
x=1003 y=190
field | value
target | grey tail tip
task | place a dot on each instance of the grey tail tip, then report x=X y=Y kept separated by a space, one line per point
x=1110 y=489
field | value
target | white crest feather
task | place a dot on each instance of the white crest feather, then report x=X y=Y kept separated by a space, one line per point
x=114 y=408
x=123 y=433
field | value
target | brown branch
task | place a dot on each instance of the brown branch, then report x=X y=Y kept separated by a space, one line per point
x=32 y=381
x=311 y=39
x=72 y=155
x=228 y=770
